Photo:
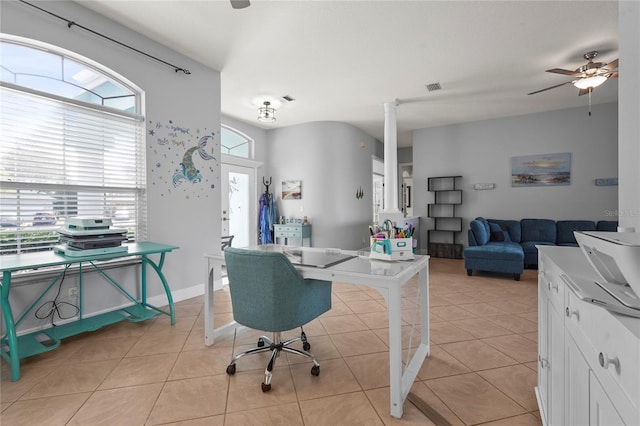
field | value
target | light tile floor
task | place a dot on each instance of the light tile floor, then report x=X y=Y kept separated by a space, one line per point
x=481 y=370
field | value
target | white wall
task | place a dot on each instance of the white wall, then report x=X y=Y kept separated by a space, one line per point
x=332 y=160
x=188 y=215
x=481 y=153
x=628 y=121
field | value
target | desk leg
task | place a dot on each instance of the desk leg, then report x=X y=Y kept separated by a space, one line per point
x=12 y=339
x=146 y=261
x=209 y=280
x=395 y=352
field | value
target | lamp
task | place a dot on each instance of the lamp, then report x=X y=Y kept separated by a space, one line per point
x=266 y=113
x=590 y=82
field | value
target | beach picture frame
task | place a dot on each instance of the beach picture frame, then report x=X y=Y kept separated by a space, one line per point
x=541 y=170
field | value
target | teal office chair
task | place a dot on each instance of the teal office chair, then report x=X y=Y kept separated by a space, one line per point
x=268 y=294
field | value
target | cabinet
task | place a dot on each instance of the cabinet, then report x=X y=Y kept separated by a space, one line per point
x=446 y=223
x=589 y=358
x=291 y=234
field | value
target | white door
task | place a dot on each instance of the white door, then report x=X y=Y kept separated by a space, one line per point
x=239 y=205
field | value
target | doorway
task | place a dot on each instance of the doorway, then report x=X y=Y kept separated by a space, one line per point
x=239 y=204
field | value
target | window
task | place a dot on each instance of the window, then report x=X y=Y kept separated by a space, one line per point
x=71 y=144
x=235 y=143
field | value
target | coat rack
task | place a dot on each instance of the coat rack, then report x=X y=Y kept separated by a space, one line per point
x=267 y=195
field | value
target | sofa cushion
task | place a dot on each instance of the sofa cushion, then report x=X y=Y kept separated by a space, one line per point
x=480 y=231
x=498 y=232
x=512 y=226
x=495 y=250
x=607 y=225
x=566 y=228
x=538 y=230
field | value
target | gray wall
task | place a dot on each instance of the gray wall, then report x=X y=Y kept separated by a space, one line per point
x=332 y=160
x=188 y=101
x=481 y=153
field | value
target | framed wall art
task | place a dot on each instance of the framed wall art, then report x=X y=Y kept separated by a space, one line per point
x=541 y=170
x=291 y=189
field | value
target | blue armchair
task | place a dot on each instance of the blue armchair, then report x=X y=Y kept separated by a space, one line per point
x=268 y=294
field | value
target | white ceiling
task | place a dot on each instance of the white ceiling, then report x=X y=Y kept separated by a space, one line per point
x=341 y=60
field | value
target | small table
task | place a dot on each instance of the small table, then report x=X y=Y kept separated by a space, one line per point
x=387 y=278
x=27 y=345
x=292 y=232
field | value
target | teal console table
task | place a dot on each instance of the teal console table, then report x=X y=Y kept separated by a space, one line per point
x=287 y=233
x=14 y=348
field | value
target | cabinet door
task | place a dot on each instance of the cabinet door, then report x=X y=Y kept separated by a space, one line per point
x=601 y=410
x=576 y=381
x=543 y=353
x=556 y=366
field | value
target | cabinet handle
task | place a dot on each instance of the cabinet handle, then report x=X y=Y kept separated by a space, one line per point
x=570 y=313
x=543 y=362
x=605 y=361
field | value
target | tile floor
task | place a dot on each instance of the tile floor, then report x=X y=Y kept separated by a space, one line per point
x=482 y=367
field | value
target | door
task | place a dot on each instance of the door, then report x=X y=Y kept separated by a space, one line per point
x=239 y=217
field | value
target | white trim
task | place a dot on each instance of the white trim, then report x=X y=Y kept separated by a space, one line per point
x=239 y=161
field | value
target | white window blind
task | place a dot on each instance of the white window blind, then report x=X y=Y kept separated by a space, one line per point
x=61 y=158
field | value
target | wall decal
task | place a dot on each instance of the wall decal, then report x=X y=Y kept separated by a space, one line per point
x=183 y=160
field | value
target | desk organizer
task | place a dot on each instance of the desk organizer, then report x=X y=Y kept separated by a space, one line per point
x=391 y=248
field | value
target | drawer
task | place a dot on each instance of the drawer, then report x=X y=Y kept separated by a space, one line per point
x=550 y=279
x=612 y=351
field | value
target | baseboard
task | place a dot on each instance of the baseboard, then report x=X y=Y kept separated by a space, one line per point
x=177 y=295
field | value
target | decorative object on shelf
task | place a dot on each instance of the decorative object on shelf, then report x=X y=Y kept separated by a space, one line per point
x=360 y=193
x=541 y=170
x=266 y=113
x=607 y=182
x=484 y=185
x=446 y=223
x=291 y=189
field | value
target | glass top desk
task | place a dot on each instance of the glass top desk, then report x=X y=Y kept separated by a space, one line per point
x=14 y=347
x=388 y=278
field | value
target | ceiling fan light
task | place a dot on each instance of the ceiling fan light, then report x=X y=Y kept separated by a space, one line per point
x=266 y=114
x=585 y=83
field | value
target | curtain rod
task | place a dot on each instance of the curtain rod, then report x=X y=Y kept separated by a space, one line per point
x=72 y=23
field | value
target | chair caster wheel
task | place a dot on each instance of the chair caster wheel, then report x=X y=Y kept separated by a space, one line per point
x=306 y=346
x=315 y=370
x=266 y=388
x=231 y=369
x=260 y=343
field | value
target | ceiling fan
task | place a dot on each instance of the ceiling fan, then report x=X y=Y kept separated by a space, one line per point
x=588 y=76
x=240 y=4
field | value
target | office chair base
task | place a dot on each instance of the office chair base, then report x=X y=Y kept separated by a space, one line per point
x=276 y=346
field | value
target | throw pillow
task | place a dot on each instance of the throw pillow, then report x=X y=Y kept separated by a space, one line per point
x=498 y=232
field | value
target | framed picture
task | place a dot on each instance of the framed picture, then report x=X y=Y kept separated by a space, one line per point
x=291 y=189
x=541 y=170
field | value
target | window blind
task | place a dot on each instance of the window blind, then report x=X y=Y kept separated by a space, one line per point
x=63 y=158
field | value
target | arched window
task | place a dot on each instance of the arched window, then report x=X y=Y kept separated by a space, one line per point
x=235 y=143
x=71 y=144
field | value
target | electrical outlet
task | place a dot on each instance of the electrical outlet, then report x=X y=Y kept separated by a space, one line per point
x=73 y=293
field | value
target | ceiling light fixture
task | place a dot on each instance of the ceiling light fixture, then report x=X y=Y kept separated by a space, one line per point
x=266 y=114
x=590 y=82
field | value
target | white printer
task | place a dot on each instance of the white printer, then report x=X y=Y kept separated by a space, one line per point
x=88 y=236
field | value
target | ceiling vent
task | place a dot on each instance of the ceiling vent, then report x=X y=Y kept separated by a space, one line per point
x=433 y=86
x=288 y=98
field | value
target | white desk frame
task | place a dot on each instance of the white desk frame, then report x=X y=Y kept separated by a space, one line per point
x=386 y=277
x=388 y=283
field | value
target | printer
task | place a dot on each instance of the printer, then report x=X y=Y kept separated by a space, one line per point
x=615 y=256
x=88 y=236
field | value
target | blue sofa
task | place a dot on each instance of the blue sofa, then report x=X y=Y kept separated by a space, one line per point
x=508 y=246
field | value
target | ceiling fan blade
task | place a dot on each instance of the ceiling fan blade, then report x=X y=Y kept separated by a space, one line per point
x=565 y=72
x=240 y=4
x=585 y=91
x=611 y=65
x=549 y=88
x=613 y=75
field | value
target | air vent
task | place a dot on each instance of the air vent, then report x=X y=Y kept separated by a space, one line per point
x=433 y=86
x=288 y=98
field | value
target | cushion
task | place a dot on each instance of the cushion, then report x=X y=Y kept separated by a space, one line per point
x=538 y=230
x=607 y=225
x=566 y=228
x=512 y=226
x=480 y=232
x=496 y=251
x=498 y=232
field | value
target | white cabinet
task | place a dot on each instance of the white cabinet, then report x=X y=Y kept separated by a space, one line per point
x=589 y=369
